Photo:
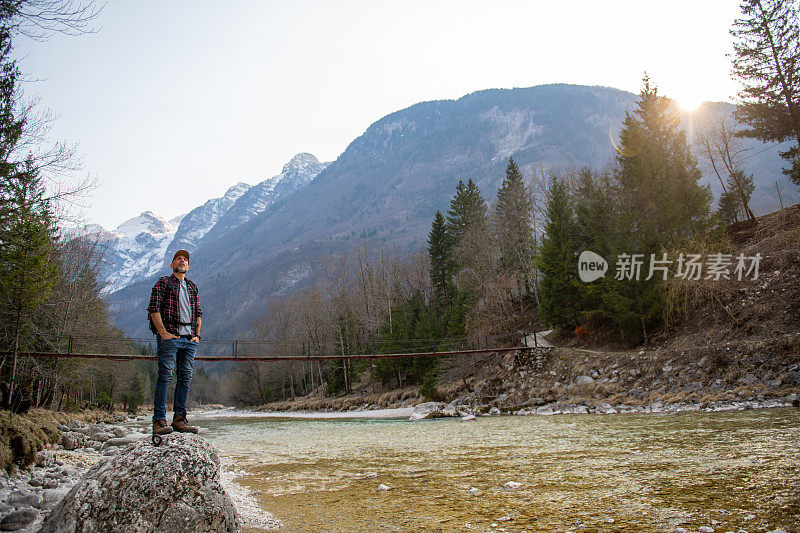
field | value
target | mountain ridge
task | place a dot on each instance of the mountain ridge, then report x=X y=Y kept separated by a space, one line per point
x=389 y=182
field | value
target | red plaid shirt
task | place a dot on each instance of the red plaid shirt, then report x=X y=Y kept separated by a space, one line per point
x=171 y=313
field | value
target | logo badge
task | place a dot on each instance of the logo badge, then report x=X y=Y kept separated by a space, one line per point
x=591 y=266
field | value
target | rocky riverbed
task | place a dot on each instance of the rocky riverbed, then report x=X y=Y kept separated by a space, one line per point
x=28 y=495
x=580 y=382
x=465 y=408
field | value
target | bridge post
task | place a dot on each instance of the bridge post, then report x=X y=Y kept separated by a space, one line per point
x=69 y=345
x=234 y=348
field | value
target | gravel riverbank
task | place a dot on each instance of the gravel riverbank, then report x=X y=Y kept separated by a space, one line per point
x=28 y=495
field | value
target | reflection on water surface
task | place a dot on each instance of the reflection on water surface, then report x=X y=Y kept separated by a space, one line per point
x=577 y=473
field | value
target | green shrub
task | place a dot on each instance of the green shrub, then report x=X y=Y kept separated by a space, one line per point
x=428 y=388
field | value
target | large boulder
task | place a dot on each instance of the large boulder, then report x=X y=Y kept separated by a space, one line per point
x=428 y=410
x=146 y=488
x=73 y=440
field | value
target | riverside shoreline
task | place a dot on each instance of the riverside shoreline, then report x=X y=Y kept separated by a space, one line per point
x=27 y=495
x=749 y=375
x=461 y=408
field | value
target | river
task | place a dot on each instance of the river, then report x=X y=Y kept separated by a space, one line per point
x=620 y=473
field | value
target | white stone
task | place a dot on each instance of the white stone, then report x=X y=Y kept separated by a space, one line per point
x=512 y=485
x=426 y=410
x=468 y=418
x=384 y=487
x=119 y=431
x=123 y=441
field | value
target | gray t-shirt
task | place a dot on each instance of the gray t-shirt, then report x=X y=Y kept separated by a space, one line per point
x=186 y=310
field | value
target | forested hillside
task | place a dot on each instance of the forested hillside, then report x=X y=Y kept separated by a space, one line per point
x=385 y=188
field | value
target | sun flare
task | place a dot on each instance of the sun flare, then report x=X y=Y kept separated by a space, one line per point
x=689 y=103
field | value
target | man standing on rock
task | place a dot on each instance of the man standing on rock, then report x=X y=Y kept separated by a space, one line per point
x=175 y=320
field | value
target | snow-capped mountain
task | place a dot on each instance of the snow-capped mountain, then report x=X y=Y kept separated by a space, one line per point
x=387 y=186
x=134 y=249
x=143 y=246
x=200 y=220
x=300 y=170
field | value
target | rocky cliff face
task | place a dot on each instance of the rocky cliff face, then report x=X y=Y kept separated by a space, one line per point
x=199 y=221
x=134 y=250
x=297 y=173
x=143 y=246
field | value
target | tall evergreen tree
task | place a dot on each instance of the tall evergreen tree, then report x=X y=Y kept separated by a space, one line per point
x=559 y=303
x=467 y=208
x=11 y=126
x=658 y=177
x=27 y=227
x=511 y=221
x=660 y=204
x=27 y=268
x=441 y=264
x=767 y=62
x=595 y=207
x=467 y=226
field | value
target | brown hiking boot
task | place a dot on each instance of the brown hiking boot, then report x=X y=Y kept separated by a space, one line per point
x=179 y=424
x=160 y=427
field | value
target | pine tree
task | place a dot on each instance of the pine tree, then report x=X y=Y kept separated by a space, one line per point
x=595 y=211
x=11 y=126
x=660 y=203
x=27 y=227
x=27 y=269
x=441 y=264
x=467 y=208
x=733 y=202
x=658 y=177
x=511 y=221
x=557 y=261
x=767 y=62
x=468 y=228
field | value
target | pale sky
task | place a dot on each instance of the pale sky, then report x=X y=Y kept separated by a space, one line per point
x=173 y=102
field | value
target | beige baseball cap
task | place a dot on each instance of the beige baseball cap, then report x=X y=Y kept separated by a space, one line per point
x=184 y=253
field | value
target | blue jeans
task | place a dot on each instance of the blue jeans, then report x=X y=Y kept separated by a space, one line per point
x=173 y=353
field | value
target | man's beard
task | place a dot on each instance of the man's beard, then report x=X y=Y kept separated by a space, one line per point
x=180 y=269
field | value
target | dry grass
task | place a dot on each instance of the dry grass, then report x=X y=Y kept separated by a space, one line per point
x=22 y=436
x=390 y=399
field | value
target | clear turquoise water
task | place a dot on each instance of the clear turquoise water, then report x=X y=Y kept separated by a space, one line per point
x=727 y=470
